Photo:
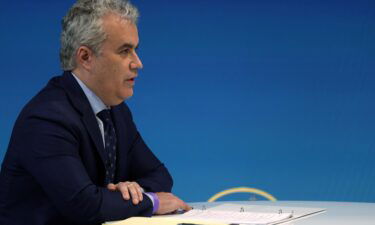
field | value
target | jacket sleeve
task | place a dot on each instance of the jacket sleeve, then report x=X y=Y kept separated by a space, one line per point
x=153 y=176
x=49 y=150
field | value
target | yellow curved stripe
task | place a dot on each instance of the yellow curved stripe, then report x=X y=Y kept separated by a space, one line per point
x=242 y=190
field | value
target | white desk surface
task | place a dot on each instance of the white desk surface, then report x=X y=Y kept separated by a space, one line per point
x=337 y=213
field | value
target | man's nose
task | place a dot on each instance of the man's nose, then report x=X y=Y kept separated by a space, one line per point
x=136 y=63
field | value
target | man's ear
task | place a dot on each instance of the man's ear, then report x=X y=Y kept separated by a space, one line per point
x=84 y=57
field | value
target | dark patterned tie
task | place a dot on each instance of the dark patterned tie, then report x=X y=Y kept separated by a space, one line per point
x=110 y=145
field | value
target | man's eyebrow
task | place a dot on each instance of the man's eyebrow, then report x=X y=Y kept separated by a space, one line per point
x=127 y=45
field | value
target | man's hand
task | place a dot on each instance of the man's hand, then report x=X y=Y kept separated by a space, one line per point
x=169 y=203
x=128 y=189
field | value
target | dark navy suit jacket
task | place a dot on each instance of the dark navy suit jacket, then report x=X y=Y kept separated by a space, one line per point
x=53 y=172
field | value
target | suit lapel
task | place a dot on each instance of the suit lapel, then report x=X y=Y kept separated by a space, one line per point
x=81 y=103
x=122 y=143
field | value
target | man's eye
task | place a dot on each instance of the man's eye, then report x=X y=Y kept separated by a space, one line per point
x=125 y=51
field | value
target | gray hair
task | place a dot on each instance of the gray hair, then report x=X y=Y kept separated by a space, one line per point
x=82 y=25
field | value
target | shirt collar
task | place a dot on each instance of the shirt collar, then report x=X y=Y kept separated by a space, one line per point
x=96 y=103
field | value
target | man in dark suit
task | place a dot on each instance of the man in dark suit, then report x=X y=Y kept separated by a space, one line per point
x=75 y=155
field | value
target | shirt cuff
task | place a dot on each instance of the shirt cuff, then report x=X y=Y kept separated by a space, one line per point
x=155 y=201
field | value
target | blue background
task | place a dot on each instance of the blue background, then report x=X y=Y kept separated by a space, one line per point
x=275 y=95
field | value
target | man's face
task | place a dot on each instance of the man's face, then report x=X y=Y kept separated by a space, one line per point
x=114 y=70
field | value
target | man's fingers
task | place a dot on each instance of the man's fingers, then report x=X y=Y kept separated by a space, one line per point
x=134 y=193
x=182 y=205
x=128 y=190
x=123 y=188
x=111 y=187
x=139 y=191
x=186 y=207
x=169 y=203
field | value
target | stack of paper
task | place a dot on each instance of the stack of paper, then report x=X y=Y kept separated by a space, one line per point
x=230 y=217
x=160 y=221
x=227 y=214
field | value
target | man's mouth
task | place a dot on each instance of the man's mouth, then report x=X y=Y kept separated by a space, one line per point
x=131 y=81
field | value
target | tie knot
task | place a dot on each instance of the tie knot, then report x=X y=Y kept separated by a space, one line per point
x=105 y=115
